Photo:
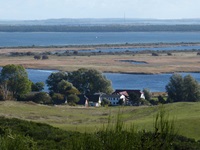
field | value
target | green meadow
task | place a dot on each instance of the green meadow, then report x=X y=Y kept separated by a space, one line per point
x=185 y=114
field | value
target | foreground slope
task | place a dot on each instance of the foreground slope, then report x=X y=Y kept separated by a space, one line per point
x=186 y=116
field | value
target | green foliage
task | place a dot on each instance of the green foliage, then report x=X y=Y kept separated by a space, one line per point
x=54 y=79
x=161 y=99
x=66 y=88
x=191 y=89
x=10 y=141
x=147 y=94
x=105 y=102
x=90 y=81
x=72 y=99
x=183 y=89
x=45 y=57
x=42 y=98
x=58 y=98
x=114 y=135
x=37 y=57
x=134 y=98
x=37 y=87
x=14 y=79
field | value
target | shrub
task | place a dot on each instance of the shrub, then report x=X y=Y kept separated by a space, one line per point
x=105 y=102
x=169 y=54
x=37 y=57
x=58 y=98
x=72 y=99
x=45 y=57
x=42 y=98
x=161 y=99
x=155 y=54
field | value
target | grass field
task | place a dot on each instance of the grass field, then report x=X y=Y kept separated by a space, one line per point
x=178 y=62
x=186 y=116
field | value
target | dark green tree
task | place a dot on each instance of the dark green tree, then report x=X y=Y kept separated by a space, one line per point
x=14 y=79
x=58 y=98
x=161 y=99
x=54 y=79
x=134 y=98
x=105 y=102
x=90 y=81
x=183 y=89
x=42 y=98
x=72 y=99
x=147 y=94
x=38 y=86
x=66 y=88
x=175 y=88
x=191 y=89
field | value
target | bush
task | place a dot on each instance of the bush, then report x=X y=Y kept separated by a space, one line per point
x=105 y=102
x=72 y=99
x=155 y=54
x=153 y=102
x=42 y=98
x=169 y=54
x=37 y=57
x=58 y=98
x=10 y=141
x=45 y=57
x=161 y=99
x=37 y=87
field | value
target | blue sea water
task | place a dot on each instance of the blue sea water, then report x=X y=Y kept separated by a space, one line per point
x=9 y=39
x=154 y=82
x=132 y=81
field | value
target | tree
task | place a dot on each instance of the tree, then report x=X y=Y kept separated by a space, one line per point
x=90 y=81
x=54 y=79
x=45 y=57
x=42 y=98
x=15 y=79
x=191 y=89
x=38 y=86
x=161 y=99
x=175 y=88
x=183 y=89
x=147 y=94
x=58 y=98
x=134 y=98
x=72 y=99
x=105 y=102
x=37 y=57
x=66 y=88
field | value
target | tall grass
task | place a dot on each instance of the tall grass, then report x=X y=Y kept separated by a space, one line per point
x=117 y=136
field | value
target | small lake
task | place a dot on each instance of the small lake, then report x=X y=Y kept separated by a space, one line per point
x=154 y=82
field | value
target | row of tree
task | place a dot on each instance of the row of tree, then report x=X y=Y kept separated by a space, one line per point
x=98 y=28
x=15 y=84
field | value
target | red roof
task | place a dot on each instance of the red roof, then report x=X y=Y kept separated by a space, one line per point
x=127 y=91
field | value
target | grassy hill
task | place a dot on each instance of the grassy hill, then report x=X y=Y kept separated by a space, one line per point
x=186 y=116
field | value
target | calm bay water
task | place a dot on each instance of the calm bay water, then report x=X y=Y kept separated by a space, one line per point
x=8 y=39
x=156 y=83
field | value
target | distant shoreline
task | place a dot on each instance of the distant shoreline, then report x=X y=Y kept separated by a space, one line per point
x=102 y=28
x=96 y=46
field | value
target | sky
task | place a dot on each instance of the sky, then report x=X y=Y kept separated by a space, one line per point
x=53 y=9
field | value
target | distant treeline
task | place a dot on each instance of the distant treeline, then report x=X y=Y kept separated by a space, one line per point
x=100 y=28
